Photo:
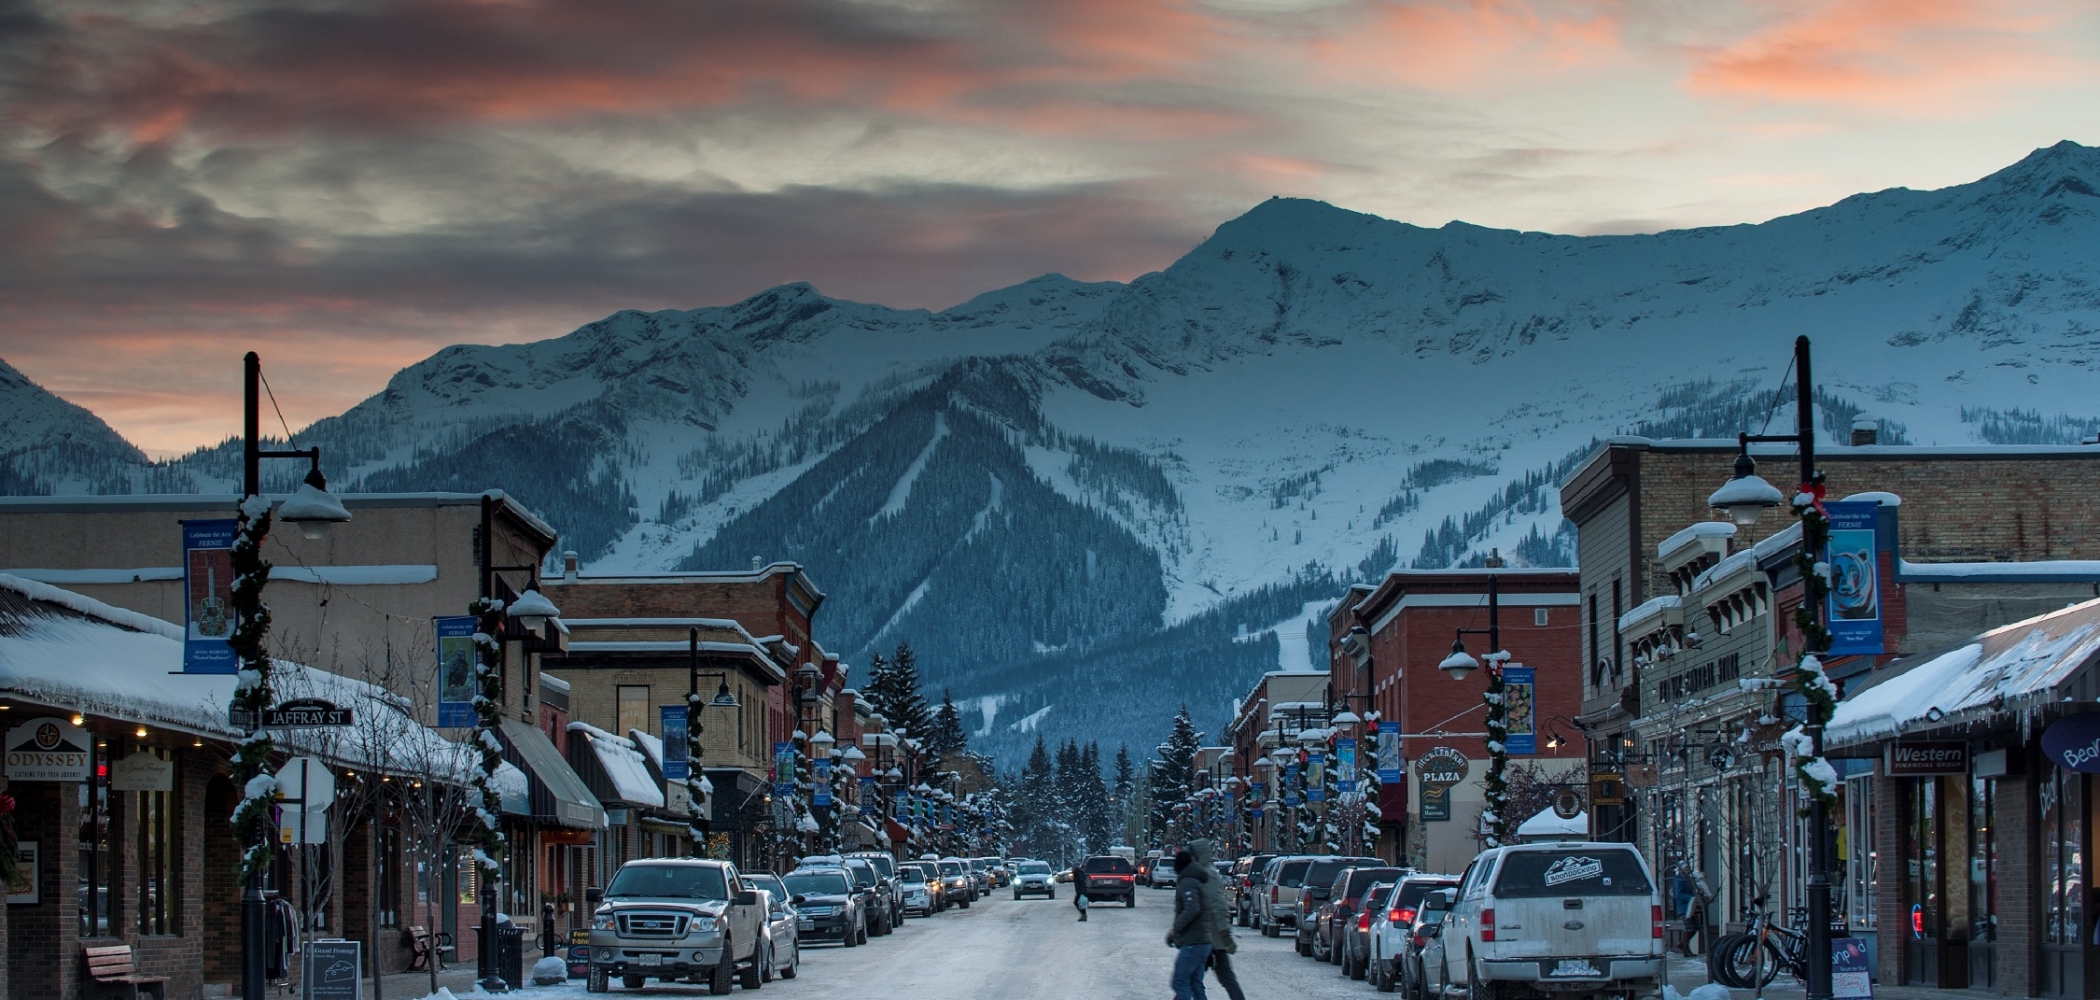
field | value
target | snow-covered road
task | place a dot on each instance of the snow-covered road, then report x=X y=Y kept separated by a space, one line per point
x=1007 y=949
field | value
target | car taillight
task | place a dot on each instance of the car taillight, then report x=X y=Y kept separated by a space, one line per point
x=1272 y=894
x=1404 y=915
x=1396 y=916
x=1421 y=940
x=1487 y=924
x=1656 y=921
x=1363 y=921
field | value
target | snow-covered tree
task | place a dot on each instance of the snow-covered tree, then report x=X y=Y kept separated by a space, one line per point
x=948 y=737
x=893 y=690
x=1170 y=777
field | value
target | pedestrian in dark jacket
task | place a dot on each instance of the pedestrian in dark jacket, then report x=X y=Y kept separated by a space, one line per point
x=1190 y=934
x=1212 y=886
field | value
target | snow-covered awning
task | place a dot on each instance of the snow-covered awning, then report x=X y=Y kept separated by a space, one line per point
x=625 y=770
x=1548 y=826
x=2005 y=668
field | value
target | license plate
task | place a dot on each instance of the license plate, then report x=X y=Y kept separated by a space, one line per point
x=1575 y=968
x=806 y=924
x=647 y=961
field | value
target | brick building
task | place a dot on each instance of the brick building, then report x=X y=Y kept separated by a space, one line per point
x=1280 y=705
x=1409 y=621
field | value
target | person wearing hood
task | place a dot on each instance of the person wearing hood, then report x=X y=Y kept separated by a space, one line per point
x=1190 y=934
x=1212 y=887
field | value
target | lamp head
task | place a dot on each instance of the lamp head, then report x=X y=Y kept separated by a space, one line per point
x=1745 y=496
x=822 y=742
x=312 y=509
x=532 y=609
x=724 y=698
x=1459 y=663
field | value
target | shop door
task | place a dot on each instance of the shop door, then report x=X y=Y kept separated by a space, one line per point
x=1922 y=882
x=2061 y=804
x=1983 y=883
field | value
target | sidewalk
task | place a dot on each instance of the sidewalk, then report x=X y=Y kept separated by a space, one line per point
x=1688 y=974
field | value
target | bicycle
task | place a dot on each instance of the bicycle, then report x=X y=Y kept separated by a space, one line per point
x=1752 y=959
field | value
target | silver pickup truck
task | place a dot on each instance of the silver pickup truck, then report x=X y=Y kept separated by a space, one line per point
x=672 y=919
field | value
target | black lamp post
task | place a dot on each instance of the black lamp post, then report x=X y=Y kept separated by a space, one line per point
x=723 y=698
x=1745 y=497
x=1458 y=665
x=313 y=510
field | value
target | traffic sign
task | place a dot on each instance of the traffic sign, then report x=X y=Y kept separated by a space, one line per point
x=296 y=825
x=307 y=782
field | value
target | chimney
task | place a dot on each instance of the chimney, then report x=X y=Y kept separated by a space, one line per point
x=757 y=563
x=568 y=565
x=1493 y=560
x=1865 y=430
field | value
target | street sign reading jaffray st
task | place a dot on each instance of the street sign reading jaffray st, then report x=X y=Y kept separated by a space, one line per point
x=299 y=713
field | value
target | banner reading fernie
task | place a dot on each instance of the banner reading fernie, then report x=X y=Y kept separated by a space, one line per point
x=456 y=662
x=1388 y=753
x=1854 y=604
x=1345 y=765
x=1520 y=707
x=207 y=586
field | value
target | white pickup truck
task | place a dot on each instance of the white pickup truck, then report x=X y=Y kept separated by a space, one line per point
x=676 y=918
x=1565 y=921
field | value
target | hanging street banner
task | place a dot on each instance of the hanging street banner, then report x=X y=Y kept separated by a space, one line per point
x=207 y=596
x=902 y=810
x=1388 y=753
x=456 y=660
x=675 y=756
x=1290 y=784
x=1255 y=798
x=820 y=793
x=1345 y=765
x=783 y=770
x=48 y=749
x=1316 y=777
x=1854 y=605
x=1520 y=709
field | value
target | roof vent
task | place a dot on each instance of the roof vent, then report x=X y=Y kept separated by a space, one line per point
x=1865 y=430
x=568 y=565
x=757 y=563
x=1493 y=560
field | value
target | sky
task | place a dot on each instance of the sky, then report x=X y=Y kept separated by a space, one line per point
x=346 y=186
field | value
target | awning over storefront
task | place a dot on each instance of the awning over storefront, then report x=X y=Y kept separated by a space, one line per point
x=558 y=795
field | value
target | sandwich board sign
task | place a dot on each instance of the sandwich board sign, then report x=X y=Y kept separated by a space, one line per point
x=333 y=970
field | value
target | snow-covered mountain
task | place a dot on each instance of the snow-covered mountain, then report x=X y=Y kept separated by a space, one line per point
x=1104 y=499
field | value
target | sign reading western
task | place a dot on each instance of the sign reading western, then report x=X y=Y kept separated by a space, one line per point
x=1918 y=759
x=1854 y=606
x=207 y=589
x=47 y=749
x=2073 y=742
x=1520 y=711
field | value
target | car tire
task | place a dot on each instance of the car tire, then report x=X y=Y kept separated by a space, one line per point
x=1358 y=971
x=718 y=979
x=1130 y=901
x=1303 y=946
x=634 y=982
x=765 y=972
x=847 y=937
x=750 y=977
x=1268 y=930
x=1477 y=986
x=794 y=962
x=596 y=980
x=864 y=932
x=1053 y=894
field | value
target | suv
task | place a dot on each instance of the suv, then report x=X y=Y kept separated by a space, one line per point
x=1560 y=920
x=1392 y=914
x=1105 y=876
x=829 y=904
x=1243 y=885
x=676 y=918
x=1335 y=920
x=1279 y=902
x=1314 y=890
x=886 y=868
x=955 y=878
x=1033 y=877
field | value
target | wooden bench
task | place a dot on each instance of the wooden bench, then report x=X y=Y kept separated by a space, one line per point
x=113 y=965
x=423 y=947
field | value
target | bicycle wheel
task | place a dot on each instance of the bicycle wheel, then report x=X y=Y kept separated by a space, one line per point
x=1739 y=964
x=1769 y=960
x=1717 y=955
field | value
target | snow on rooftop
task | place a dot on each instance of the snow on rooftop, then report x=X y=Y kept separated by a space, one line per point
x=1697 y=529
x=623 y=766
x=651 y=747
x=1883 y=498
x=2043 y=571
x=1724 y=568
x=1651 y=606
x=2023 y=661
x=1786 y=538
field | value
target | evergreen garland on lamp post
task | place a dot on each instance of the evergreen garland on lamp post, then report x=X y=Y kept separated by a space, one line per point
x=251 y=689
x=487 y=837
x=1495 y=786
x=1816 y=775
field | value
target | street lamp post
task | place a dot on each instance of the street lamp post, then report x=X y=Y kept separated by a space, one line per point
x=313 y=510
x=1458 y=665
x=1744 y=498
x=698 y=800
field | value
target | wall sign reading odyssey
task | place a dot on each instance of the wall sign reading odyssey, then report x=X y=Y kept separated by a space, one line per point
x=47 y=749
x=2073 y=742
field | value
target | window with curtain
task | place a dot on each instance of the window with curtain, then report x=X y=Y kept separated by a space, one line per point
x=633 y=704
x=159 y=854
x=98 y=866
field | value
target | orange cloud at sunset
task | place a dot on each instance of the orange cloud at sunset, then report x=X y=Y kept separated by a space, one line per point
x=1913 y=57
x=1468 y=45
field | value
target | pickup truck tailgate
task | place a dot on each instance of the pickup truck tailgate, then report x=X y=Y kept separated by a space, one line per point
x=1579 y=903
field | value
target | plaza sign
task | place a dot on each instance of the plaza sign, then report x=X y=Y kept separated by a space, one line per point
x=47 y=749
x=1443 y=766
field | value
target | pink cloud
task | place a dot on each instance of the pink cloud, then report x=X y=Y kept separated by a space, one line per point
x=1449 y=45
x=1915 y=57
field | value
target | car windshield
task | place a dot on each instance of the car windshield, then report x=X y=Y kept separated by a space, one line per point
x=1034 y=868
x=770 y=883
x=1411 y=894
x=669 y=882
x=1293 y=874
x=884 y=865
x=863 y=875
x=1107 y=865
x=951 y=868
x=816 y=883
x=977 y=864
x=1321 y=872
x=1593 y=872
x=911 y=874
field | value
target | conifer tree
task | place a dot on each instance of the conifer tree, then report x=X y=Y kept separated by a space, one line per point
x=1099 y=814
x=893 y=690
x=948 y=737
x=1171 y=773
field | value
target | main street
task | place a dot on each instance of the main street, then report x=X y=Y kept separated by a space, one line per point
x=1006 y=949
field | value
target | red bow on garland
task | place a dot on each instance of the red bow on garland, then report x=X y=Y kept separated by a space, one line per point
x=1817 y=491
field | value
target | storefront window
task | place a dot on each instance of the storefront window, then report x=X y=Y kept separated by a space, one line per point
x=1859 y=836
x=389 y=876
x=2063 y=861
x=1983 y=861
x=160 y=893
x=98 y=850
x=1924 y=874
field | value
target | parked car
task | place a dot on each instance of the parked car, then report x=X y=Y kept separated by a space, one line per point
x=1391 y=914
x=1284 y=877
x=783 y=955
x=956 y=880
x=980 y=875
x=1315 y=890
x=1399 y=938
x=917 y=890
x=1335 y=922
x=1244 y=886
x=831 y=907
x=886 y=867
x=1033 y=878
x=996 y=870
x=1105 y=877
x=676 y=918
x=1569 y=921
x=875 y=897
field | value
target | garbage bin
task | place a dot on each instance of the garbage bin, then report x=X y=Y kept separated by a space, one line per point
x=509 y=956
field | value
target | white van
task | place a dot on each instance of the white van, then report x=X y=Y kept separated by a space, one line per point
x=1560 y=920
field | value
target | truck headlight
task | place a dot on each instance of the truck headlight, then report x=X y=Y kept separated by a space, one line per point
x=602 y=922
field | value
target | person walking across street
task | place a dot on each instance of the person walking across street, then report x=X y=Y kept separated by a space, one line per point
x=1190 y=934
x=1079 y=900
x=1212 y=887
